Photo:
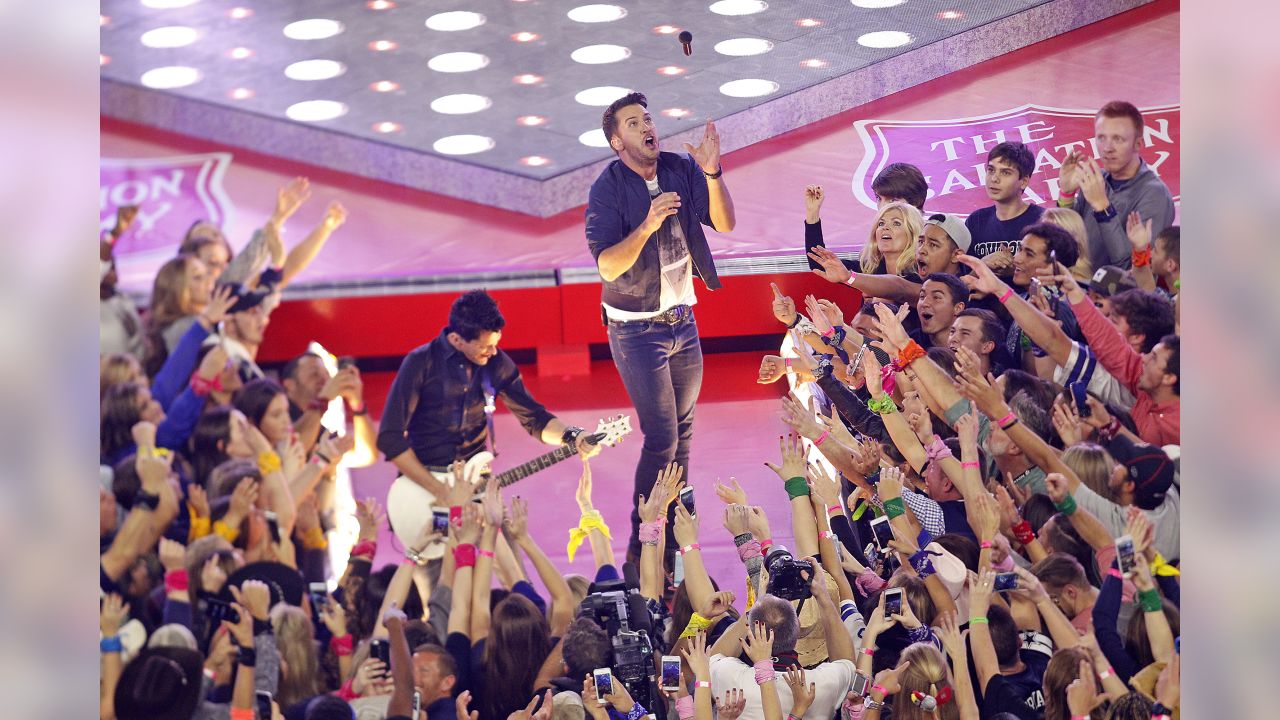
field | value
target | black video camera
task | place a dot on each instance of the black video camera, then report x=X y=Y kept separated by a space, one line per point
x=624 y=615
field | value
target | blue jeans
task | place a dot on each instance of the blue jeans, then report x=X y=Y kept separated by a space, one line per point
x=661 y=367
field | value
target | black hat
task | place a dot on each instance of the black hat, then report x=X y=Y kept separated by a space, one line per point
x=1110 y=280
x=247 y=299
x=283 y=581
x=162 y=683
x=1149 y=468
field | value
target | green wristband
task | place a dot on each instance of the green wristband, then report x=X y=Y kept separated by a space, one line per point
x=894 y=507
x=1150 y=600
x=883 y=405
x=976 y=620
x=1067 y=506
x=797 y=487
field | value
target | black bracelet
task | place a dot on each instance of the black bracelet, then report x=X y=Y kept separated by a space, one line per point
x=262 y=627
x=246 y=656
x=794 y=322
x=571 y=434
x=715 y=175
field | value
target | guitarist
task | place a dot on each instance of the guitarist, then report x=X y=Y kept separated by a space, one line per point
x=436 y=411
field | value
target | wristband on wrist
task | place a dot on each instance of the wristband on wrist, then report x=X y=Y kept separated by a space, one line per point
x=1004 y=298
x=241 y=714
x=651 y=532
x=1115 y=573
x=481 y=552
x=764 y=671
x=1023 y=533
x=985 y=545
x=869 y=651
x=111 y=644
x=1007 y=420
x=853 y=278
x=822 y=437
x=702 y=684
x=685 y=708
x=1149 y=599
x=689 y=548
x=246 y=656
x=893 y=507
x=364 y=550
x=1067 y=506
x=712 y=176
x=979 y=620
x=834 y=509
x=268 y=462
x=1104 y=674
x=342 y=646
x=464 y=556
x=1142 y=258
x=765 y=544
x=176 y=580
x=910 y=353
x=970 y=464
x=880 y=689
x=882 y=405
x=797 y=487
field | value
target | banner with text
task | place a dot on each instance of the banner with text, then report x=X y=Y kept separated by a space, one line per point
x=171 y=193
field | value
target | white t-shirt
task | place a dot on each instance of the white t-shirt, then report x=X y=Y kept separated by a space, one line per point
x=1098 y=381
x=831 y=680
x=1165 y=518
x=677 y=268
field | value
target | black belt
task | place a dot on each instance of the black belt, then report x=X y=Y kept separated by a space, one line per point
x=669 y=317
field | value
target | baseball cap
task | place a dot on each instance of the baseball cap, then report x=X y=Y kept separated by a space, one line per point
x=160 y=684
x=954 y=227
x=1149 y=468
x=247 y=299
x=1109 y=280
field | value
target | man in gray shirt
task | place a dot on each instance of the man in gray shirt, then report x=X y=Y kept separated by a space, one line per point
x=1104 y=194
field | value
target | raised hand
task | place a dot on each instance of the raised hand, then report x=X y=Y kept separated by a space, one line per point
x=463 y=488
x=1082 y=693
x=802 y=692
x=890 y=485
x=173 y=554
x=243 y=499
x=982 y=391
x=759 y=524
x=1066 y=422
x=772 y=369
x=583 y=493
x=731 y=494
x=983 y=515
x=492 y=503
x=289 y=198
x=369 y=516
x=334 y=617
x=718 y=604
x=707 y=154
x=1139 y=527
x=833 y=269
x=1093 y=185
x=949 y=633
x=464 y=699
x=469 y=531
x=543 y=712
x=890 y=679
x=813 y=197
x=823 y=487
x=889 y=326
x=686 y=527
x=198 y=499
x=967 y=429
x=980 y=589
x=799 y=419
x=212 y=576
x=1069 y=176
x=981 y=277
x=334 y=216
x=737 y=519
x=819 y=318
x=1057 y=486
x=865 y=457
x=664 y=492
x=111 y=616
x=517 y=523
x=393 y=614
x=215 y=311
x=1169 y=684
x=255 y=596
x=793 y=458
x=758 y=642
x=784 y=308
x=735 y=701
x=695 y=653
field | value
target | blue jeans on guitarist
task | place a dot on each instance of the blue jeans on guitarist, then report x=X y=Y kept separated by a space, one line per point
x=660 y=362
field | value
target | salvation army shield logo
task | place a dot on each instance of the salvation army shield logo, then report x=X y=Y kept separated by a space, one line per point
x=171 y=193
x=952 y=154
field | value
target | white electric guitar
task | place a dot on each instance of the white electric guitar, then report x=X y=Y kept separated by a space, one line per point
x=409 y=505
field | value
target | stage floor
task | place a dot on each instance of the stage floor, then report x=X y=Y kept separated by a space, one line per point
x=735 y=431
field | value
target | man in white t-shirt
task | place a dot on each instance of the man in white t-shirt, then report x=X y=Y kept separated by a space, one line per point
x=831 y=679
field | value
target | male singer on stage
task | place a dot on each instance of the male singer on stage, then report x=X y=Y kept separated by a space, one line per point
x=644 y=227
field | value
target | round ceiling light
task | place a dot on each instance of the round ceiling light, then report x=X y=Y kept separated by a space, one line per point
x=462 y=104
x=597 y=13
x=738 y=7
x=462 y=144
x=594 y=138
x=175 y=36
x=313 y=29
x=455 y=20
x=318 y=69
x=600 y=54
x=170 y=77
x=456 y=62
x=741 y=47
x=316 y=110
x=884 y=39
x=600 y=96
x=748 y=88
x=877 y=4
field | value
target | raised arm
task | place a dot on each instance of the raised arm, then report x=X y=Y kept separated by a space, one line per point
x=1042 y=329
x=985 y=661
x=467 y=534
x=793 y=473
x=562 y=607
x=601 y=546
x=482 y=580
x=304 y=252
x=696 y=578
x=1091 y=530
x=896 y=341
x=832 y=269
x=653 y=514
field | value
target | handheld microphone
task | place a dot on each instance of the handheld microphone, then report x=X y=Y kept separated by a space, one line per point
x=686 y=41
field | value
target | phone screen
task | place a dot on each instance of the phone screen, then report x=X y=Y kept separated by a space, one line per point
x=892 y=602
x=860 y=684
x=686 y=499
x=670 y=672
x=319 y=595
x=883 y=533
x=264 y=704
x=604 y=684
x=1006 y=581
x=1124 y=554
x=440 y=521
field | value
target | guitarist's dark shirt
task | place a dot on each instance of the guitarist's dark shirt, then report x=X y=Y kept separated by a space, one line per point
x=436 y=404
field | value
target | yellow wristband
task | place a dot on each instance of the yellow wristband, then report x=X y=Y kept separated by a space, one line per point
x=225 y=531
x=314 y=539
x=268 y=462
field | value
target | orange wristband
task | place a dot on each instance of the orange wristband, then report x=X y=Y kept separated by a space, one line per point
x=910 y=354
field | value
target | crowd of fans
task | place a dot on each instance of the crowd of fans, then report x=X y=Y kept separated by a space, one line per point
x=981 y=482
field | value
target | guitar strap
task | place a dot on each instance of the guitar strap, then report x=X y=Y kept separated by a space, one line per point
x=490 y=405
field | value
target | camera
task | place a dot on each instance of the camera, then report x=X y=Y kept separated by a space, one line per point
x=624 y=615
x=788 y=578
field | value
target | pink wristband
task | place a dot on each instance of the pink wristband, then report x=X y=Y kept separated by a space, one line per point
x=1007 y=419
x=937 y=449
x=853 y=277
x=765 y=544
x=764 y=671
x=822 y=437
x=829 y=332
x=970 y=464
x=1008 y=293
x=484 y=553
x=985 y=544
x=834 y=508
x=651 y=532
x=689 y=548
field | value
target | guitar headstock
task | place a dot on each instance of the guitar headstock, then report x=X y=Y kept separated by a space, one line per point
x=614 y=430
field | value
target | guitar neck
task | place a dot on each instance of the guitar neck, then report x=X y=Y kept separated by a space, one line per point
x=538 y=464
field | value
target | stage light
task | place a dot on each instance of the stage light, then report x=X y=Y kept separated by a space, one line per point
x=318 y=69
x=748 y=87
x=383 y=45
x=239 y=53
x=380 y=4
x=174 y=36
x=386 y=126
x=677 y=113
x=950 y=15
x=527 y=79
x=671 y=70
x=600 y=54
x=316 y=110
x=385 y=86
x=240 y=93
x=455 y=20
x=103 y=20
x=462 y=144
x=809 y=22
x=103 y=59
x=525 y=36
x=462 y=104
x=535 y=161
x=666 y=30
x=738 y=7
x=884 y=39
x=597 y=13
x=814 y=63
x=531 y=120
x=457 y=62
x=741 y=47
x=170 y=77
x=876 y=4
x=312 y=29
x=239 y=13
x=594 y=138
x=600 y=96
